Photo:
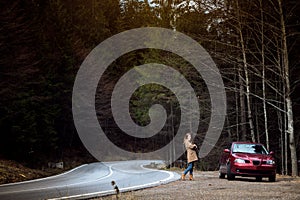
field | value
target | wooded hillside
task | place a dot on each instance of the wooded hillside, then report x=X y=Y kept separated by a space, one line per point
x=255 y=44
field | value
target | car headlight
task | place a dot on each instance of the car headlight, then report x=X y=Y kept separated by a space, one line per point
x=238 y=160
x=270 y=162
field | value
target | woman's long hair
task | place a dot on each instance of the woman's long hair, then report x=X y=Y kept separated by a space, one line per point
x=186 y=138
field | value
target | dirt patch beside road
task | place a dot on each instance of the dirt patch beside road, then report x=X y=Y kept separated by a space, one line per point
x=207 y=185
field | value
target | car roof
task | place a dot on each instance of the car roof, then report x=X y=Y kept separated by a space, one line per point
x=246 y=143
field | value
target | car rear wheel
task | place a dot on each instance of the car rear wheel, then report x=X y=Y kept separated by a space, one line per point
x=221 y=175
x=272 y=178
x=230 y=176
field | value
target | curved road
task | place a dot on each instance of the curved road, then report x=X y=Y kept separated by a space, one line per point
x=90 y=180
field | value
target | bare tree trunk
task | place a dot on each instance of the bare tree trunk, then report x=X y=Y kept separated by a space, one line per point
x=245 y=64
x=290 y=131
x=264 y=74
x=285 y=138
x=282 y=117
x=257 y=123
x=242 y=105
x=173 y=131
x=237 y=109
x=248 y=92
x=280 y=125
x=288 y=100
x=285 y=144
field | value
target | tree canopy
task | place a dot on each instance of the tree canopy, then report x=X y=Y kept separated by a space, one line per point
x=254 y=43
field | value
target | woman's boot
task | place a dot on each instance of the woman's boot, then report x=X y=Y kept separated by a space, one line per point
x=191 y=177
x=183 y=177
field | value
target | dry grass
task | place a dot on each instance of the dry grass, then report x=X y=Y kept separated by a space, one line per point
x=208 y=186
x=11 y=171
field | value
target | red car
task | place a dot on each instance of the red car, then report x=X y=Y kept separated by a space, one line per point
x=249 y=160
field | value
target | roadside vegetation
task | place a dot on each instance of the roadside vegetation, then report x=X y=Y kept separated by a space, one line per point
x=254 y=43
x=12 y=171
x=208 y=186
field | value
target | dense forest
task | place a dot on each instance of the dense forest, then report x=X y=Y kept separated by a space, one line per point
x=255 y=44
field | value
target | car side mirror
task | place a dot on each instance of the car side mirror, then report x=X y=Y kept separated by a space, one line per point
x=226 y=151
x=271 y=153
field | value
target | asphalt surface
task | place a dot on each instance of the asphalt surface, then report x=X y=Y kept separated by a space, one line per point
x=90 y=180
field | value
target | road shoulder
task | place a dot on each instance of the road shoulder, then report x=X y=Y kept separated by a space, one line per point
x=207 y=185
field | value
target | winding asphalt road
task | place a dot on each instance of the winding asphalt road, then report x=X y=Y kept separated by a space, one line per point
x=90 y=180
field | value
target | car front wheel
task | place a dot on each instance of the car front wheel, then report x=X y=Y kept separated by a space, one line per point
x=272 y=178
x=230 y=176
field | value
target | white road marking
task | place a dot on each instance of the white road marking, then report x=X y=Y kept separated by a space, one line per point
x=93 y=194
x=56 y=187
x=110 y=165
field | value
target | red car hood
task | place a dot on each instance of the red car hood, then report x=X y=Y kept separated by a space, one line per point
x=252 y=156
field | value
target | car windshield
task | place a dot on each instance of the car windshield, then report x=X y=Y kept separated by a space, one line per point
x=249 y=148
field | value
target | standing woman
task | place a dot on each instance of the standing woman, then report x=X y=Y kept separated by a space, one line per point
x=191 y=155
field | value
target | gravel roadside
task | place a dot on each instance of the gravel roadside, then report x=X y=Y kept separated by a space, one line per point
x=207 y=185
